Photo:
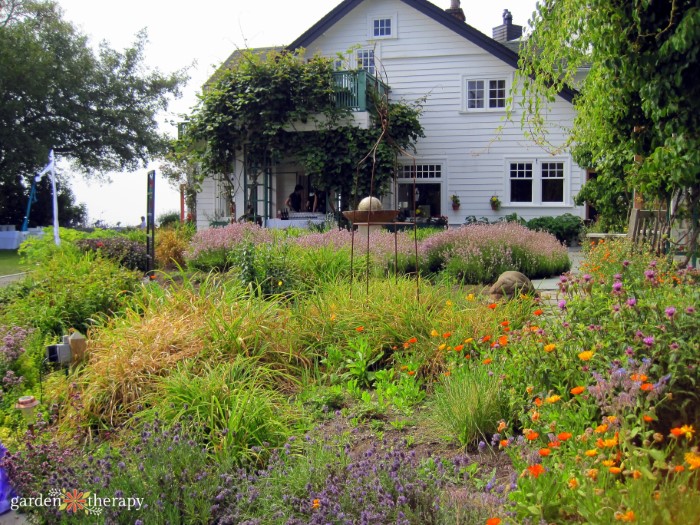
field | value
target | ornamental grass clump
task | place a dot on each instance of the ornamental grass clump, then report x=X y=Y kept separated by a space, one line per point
x=479 y=253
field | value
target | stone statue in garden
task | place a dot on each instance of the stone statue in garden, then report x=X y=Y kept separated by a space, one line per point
x=510 y=285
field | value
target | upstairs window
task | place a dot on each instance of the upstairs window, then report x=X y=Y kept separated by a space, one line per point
x=365 y=60
x=485 y=94
x=381 y=27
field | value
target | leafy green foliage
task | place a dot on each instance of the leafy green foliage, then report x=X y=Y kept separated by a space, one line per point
x=638 y=110
x=566 y=228
x=130 y=254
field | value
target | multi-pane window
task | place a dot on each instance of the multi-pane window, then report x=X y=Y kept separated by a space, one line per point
x=381 y=27
x=365 y=60
x=552 y=182
x=536 y=181
x=497 y=93
x=521 y=181
x=486 y=94
x=422 y=171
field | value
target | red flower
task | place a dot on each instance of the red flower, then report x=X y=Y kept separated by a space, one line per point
x=360 y=328
x=536 y=470
x=538 y=312
x=493 y=306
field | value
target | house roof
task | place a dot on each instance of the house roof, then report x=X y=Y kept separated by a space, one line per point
x=504 y=52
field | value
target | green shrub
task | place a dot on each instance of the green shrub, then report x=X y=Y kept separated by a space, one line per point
x=566 y=228
x=169 y=219
x=130 y=254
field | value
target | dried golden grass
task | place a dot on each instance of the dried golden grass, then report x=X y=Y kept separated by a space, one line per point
x=214 y=321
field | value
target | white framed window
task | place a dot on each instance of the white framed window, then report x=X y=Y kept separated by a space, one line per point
x=365 y=60
x=380 y=27
x=485 y=94
x=537 y=181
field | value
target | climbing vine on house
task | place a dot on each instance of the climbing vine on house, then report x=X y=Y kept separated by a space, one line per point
x=255 y=104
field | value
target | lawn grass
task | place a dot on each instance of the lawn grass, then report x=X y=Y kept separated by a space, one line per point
x=9 y=262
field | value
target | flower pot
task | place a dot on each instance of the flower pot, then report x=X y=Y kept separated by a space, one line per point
x=495 y=207
x=455 y=207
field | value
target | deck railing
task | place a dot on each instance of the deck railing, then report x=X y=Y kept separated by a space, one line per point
x=353 y=88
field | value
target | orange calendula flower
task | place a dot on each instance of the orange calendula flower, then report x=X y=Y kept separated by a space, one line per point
x=647 y=387
x=601 y=429
x=493 y=521
x=532 y=435
x=493 y=306
x=692 y=459
x=678 y=468
x=487 y=361
x=434 y=333
x=447 y=374
x=534 y=328
x=469 y=340
x=608 y=463
x=459 y=348
x=638 y=377
x=446 y=335
x=552 y=399
x=586 y=355
x=442 y=346
x=529 y=389
x=578 y=390
x=544 y=452
x=503 y=340
x=538 y=312
x=413 y=340
x=647 y=419
x=615 y=470
x=592 y=473
x=504 y=443
x=591 y=452
x=550 y=347
x=501 y=426
x=625 y=516
x=536 y=470
x=360 y=328
x=538 y=402
x=554 y=444
x=535 y=415
x=636 y=474
x=315 y=504
x=486 y=339
x=564 y=436
x=573 y=483
x=411 y=372
x=685 y=430
x=470 y=297
x=505 y=323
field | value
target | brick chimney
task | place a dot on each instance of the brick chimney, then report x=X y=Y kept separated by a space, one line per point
x=456 y=11
x=507 y=31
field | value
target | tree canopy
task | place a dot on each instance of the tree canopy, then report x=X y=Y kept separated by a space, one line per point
x=638 y=112
x=97 y=109
x=256 y=103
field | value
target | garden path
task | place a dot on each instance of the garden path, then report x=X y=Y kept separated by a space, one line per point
x=549 y=287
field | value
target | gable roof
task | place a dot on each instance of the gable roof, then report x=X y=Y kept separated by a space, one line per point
x=495 y=48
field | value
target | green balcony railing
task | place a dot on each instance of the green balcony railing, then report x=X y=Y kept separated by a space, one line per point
x=353 y=88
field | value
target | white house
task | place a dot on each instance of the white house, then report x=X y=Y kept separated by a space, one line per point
x=469 y=149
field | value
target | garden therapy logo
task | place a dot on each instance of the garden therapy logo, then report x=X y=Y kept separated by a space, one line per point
x=75 y=501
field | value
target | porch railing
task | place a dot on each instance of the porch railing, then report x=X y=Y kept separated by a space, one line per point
x=353 y=88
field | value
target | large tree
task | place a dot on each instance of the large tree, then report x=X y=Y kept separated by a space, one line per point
x=638 y=112
x=97 y=109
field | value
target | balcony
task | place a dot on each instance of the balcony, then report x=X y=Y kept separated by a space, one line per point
x=353 y=88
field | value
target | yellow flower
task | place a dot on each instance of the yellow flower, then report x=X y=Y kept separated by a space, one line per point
x=442 y=346
x=448 y=303
x=608 y=463
x=573 y=483
x=585 y=355
x=279 y=283
x=601 y=429
x=333 y=317
x=434 y=333
x=552 y=399
x=693 y=459
x=468 y=340
x=470 y=297
x=550 y=347
x=591 y=452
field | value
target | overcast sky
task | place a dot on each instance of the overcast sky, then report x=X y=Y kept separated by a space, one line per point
x=199 y=36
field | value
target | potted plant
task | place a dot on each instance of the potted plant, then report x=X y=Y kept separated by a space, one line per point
x=455 y=202
x=495 y=203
